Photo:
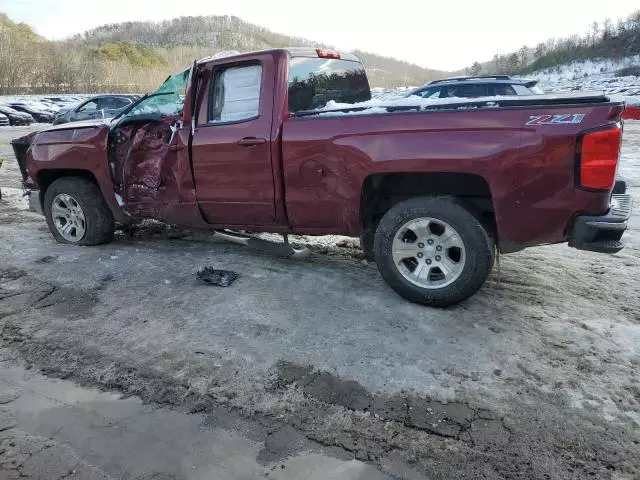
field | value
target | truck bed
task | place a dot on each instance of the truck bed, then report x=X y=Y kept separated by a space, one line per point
x=522 y=148
x=415 y=103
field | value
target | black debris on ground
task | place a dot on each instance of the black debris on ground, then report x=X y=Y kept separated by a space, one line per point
x=219 y=278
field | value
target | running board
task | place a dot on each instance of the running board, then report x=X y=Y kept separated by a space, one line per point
x=272 y=248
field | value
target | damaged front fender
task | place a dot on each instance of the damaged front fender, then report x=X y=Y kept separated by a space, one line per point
x=67 y=150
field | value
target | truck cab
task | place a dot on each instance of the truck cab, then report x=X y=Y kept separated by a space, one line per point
x=216 y=159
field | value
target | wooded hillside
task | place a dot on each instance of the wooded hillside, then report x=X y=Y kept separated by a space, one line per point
x=601 y=40
x=138 y=56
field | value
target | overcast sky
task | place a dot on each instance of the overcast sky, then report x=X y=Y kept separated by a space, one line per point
x=441 y=34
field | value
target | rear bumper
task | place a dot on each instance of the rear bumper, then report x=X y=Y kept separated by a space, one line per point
x=603 y=233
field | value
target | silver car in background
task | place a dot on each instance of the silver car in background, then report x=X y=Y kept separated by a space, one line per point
x=102 y=106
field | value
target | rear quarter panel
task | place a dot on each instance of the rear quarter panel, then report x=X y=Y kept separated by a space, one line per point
x=529 y=168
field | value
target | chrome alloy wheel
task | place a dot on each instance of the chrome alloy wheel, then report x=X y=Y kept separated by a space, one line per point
x=68 y=217
x=428 y=252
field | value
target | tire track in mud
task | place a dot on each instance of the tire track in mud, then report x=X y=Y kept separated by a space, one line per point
x=587 y=282
x=436 y=439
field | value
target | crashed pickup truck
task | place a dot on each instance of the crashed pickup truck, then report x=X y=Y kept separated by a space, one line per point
x=289 y=141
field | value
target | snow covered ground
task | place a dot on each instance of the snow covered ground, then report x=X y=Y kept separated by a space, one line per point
x=590 y=75
x=594 y=75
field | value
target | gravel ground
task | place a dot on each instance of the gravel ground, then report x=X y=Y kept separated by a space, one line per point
x=534 y=377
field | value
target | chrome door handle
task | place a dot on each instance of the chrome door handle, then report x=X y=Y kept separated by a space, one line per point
x=251 y=141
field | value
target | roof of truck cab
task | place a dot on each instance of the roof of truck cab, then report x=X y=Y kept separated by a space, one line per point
x=291 y=51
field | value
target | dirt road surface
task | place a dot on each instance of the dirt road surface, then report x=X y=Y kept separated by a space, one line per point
x=310 y=367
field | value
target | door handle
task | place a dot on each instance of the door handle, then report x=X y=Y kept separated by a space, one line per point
x=251 y=141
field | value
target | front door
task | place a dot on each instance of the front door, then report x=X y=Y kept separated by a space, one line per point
x=231 y=147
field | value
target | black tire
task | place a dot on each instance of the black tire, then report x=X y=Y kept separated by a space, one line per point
x=478 y=246
x=367 y=238
x=100 y=225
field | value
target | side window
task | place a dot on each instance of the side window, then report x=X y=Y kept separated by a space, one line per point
x=112 y=103
x=504 y=89
x=235 y=94
x=472 y=91
x=91 y=106
x=467 y=91
x=430 y=93
x=522 y=90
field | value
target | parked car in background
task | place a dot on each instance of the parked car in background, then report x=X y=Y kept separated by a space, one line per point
x=4 y=120
x=38 y=112
x=49 y=105
x=474 y=87
x=103 y=106
x=66 y=101
x=16 y=117
x=63 y=100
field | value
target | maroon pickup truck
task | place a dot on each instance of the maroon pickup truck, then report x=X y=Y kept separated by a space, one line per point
x=284 y=141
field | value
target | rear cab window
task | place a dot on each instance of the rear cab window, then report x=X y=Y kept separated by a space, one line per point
x=314 y=81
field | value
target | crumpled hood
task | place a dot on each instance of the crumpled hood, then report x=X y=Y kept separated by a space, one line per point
x=94 y=123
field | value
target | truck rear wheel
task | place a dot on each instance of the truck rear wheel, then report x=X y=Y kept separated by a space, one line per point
x=433 y=251
x=77 y=213
x=367 y=238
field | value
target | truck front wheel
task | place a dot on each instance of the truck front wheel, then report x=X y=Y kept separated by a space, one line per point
x=77 y=213
x=433 y=251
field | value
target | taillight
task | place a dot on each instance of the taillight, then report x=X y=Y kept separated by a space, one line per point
x=598 y=154
x=322 y=53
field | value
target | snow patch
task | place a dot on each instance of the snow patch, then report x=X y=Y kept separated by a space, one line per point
x=596 y=74
x=377 y=105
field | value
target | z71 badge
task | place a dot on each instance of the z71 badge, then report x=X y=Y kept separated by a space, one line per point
x=558 y=119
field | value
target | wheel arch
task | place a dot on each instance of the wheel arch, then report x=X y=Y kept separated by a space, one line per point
x=380 y=192
x=46 y=177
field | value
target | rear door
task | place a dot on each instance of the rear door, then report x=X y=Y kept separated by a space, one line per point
x=231 y=147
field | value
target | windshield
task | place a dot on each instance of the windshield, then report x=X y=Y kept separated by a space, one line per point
x=169 y=104
x=315 y=81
